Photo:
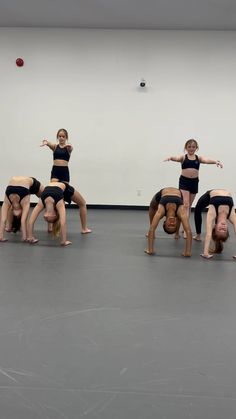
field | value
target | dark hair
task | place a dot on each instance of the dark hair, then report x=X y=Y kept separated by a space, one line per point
x=16 y=223
x=167 y=230
x=65 y=132
x=218 y=241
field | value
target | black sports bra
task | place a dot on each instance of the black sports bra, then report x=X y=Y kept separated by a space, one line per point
x=61 y=153
x=54 y=192
x=21 y=191
x=190 y=164
x=171 y=199
x=216 y=201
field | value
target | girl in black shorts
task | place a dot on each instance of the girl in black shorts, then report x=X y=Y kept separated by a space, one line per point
x=190 y=163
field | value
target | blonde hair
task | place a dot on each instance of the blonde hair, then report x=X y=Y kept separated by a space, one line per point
x=56 y=229
x=190 y=142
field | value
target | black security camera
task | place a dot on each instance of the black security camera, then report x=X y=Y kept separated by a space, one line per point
x=142 y=83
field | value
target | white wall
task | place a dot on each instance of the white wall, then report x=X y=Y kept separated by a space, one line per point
x=87 y=81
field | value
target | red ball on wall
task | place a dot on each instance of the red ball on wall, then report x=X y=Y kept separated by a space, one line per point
x=19 y=62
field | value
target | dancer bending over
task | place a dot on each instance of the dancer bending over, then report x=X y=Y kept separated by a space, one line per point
x=52 y=201
x=220 y=211
x=168 y=203
x=16 y=204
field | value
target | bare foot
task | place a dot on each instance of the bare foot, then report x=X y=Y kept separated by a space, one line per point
x=66 y=243
x=3 y=240
x=186 y=254
x=177 y=236
x=206 y=256
x=86 y=231
x=148 y=252
x=8 y=229
x=32 y=241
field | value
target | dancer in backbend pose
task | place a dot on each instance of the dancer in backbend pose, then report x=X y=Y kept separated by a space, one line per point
x=220 y=211
x=52 y=202
x=168 y=203
x=16 y=204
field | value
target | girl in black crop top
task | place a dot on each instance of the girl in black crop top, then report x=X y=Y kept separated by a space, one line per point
x=190 y=163
x=168 y=203
x=16 y=204
x=61 y=156
x=53 y=203
x=220 y=211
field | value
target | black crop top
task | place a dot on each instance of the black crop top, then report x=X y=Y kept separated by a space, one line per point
x=21 y=191
x=216 y=201
x=168 y=199
x=54 y=192
x=190 y=164
x=61 y=153
x=171 y=199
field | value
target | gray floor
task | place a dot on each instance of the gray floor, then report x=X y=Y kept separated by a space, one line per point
x=100 y=330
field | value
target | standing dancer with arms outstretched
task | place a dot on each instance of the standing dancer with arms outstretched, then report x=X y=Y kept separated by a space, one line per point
x=60 y=172
x=61 y=156
x=190 y=163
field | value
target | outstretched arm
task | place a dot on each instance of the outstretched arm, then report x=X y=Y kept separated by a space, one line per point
x=174 y=158
x=185 y=222
x=159 y=214
x=35 y=213
x=69 y=147
x=205 y=160
x=47 y=143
